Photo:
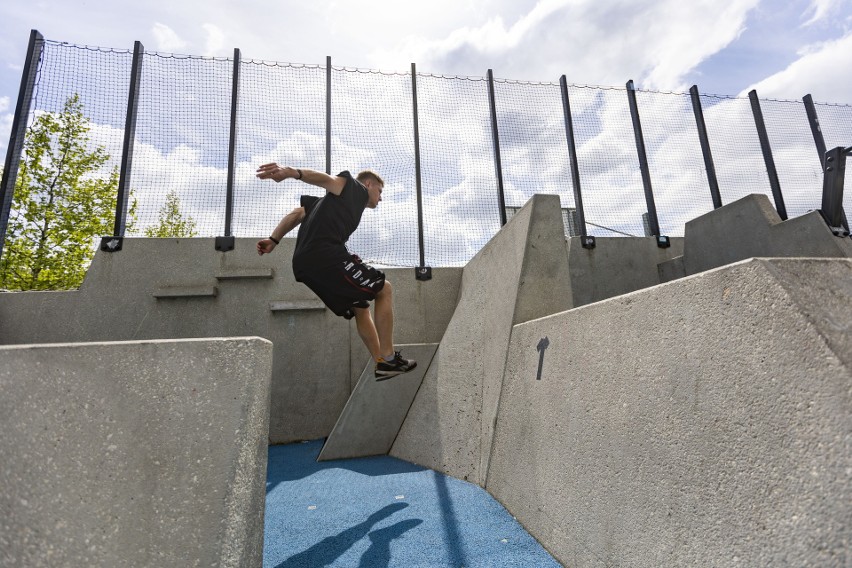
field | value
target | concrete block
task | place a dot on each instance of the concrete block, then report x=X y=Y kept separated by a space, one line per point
x=617 y=265
x=371 y=419
x=186 y=292
x=750 y=227
x=704 y=422
x=521 y=274
x=149 y=453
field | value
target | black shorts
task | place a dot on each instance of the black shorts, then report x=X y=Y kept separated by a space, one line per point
x=349 y=285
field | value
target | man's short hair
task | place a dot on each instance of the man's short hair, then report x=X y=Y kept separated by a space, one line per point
x=370 y=174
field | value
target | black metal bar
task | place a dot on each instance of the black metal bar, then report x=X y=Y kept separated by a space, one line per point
x=705 y=147
x=832 y=191
x=127 y=147
x=813 y=120
x=417 y=178
x=19 y=130
x=771 y=171
x=653 y=223
x=232 y=143
x=498 y=164
x=572 y=153
x=328 y=115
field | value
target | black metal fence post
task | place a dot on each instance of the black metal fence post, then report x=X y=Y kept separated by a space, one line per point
x=587 y=241
x=328 y=115
x=19 y=130
x=653 y=223
x=227 y=242
x=813 y=120
x=422 y=272
x=771 y=171
x=705 y=147
x=495 y=137
x=114 y=243
x=832 y=191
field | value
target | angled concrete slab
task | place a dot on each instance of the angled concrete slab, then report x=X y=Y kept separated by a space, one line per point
x=521 y=274
x=371 y=419
x=704 y=422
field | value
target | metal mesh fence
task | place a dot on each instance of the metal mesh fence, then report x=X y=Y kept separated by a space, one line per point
x=183 y=130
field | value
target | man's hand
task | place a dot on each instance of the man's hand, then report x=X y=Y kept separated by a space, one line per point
x=265 y=246
x=276 y=172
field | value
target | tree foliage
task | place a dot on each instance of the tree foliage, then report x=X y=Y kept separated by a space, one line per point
x=171 y=222
x=62 y=202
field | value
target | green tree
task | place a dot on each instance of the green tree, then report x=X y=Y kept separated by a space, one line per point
x=62 y=202
x=171 y=222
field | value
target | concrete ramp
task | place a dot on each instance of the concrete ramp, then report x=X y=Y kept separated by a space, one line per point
x=521 y=274
x=148 y=453
x=371 y=419
x=704 y=422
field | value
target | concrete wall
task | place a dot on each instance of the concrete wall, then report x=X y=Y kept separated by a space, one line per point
x=521 y=274
x=616 y=266
x=705 y=422
x=750 y=227
x=145 y=453
x=172 y=288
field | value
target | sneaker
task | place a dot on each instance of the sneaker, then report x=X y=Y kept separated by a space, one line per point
x=394 y=367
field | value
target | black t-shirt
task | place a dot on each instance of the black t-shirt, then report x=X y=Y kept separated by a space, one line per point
x=328 y=223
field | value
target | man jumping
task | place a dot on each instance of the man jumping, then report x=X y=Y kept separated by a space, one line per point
x=322 y=263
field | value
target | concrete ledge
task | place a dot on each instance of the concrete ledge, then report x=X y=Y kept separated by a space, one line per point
x=296 y=305
x=186 y=292
x=245 y=274
x=134 y=454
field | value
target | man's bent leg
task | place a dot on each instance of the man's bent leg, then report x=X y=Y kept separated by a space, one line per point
x=367 y=331
x=384 y=319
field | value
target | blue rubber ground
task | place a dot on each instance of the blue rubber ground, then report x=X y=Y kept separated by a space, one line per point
x=384 y=513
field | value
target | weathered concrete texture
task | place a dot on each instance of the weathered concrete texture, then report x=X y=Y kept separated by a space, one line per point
x=521 y=274
x=170 y=288
x=134 y=454
x=616 y=266
x=704 y=422
x=750 y=227
x=371 y=419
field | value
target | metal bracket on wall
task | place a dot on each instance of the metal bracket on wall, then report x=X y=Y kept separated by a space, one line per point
x=111 y=244
x=588 y=241
x=832 y=191
x=423 y=273
x=224 y=244
x=663 y=242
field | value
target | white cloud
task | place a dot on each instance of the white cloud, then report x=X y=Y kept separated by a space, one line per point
x=821 y=9
x=655 y=42
x=166 y=39
x=215 y=41
x=820 y=71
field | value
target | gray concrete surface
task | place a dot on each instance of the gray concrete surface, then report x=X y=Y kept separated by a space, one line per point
x=171 y=288
x=750 y=227
x=704 y=422
x=616 y=266
x=521 y=274
x=370 y=421
x=147 y=453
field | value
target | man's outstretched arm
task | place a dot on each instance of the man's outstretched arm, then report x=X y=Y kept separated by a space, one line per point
x=287 y=224
x=332 y=184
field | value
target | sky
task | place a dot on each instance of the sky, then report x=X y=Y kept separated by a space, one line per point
x=784 y=49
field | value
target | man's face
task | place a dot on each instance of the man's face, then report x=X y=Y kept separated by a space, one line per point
x=374 y=191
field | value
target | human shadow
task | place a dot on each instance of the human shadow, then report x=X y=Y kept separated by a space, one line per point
x=378 y=555
x=330 y=548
